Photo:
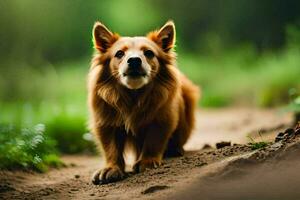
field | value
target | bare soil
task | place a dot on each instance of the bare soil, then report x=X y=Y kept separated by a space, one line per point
x=231 y=172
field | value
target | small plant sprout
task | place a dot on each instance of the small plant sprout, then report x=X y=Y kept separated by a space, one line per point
x=257 y=145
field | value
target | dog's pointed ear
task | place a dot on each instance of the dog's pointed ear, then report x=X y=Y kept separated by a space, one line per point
x=165 y=37
x=103 y=38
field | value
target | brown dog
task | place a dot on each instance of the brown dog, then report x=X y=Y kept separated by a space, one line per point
x=138 y=98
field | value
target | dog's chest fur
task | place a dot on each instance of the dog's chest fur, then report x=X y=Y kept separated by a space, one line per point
x=130 y=109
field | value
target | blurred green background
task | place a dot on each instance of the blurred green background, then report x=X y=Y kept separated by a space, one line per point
x=241 y=52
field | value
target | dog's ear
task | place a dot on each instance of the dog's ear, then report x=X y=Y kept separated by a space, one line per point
x=102 y=37
x=165 y=36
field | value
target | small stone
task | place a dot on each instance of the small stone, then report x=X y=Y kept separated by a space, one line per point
x=77 y=176
x=289 y=131
x=220 y=145
x=279 y=138
x=280 y=134
x=206 y=146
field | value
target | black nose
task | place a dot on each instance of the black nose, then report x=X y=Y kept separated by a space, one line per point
x=134 y=62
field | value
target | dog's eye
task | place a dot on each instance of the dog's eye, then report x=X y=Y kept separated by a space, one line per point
x=120 y=54
x=149 y=54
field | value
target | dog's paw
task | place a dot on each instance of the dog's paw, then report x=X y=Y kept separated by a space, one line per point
x=108 y=175
x=143 y=164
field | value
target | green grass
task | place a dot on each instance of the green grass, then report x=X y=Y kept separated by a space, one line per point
x=27 y=148
x=240 y=77
x=257 y=145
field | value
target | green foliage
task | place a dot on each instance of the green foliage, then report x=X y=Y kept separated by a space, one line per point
x=39 y=32
x=27 y=148
x=241 y=76
x=65 y=124
x=69 y=132
x=54 y=98
x=214 y=100
x=294 y=105
x=257 y=145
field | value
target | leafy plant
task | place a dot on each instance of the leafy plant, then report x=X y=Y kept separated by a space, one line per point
x=27 y=148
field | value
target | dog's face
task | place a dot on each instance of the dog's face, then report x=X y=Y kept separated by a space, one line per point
x=134 y=61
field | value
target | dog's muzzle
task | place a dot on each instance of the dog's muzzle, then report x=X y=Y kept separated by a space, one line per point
x=134 y=69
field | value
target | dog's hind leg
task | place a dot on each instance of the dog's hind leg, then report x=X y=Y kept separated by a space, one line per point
x=186 y=123
x=174 y=149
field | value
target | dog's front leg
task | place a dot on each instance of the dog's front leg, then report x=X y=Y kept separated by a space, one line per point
x=155 y=141
x=112 y=141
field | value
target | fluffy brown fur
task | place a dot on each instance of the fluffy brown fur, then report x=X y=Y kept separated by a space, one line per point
x=156 y=119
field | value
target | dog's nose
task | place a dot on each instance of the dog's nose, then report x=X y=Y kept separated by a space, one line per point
x=134 y=62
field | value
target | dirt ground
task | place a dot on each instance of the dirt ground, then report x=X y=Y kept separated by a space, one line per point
x=232 y=172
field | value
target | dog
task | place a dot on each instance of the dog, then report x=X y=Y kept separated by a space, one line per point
x=138 y=98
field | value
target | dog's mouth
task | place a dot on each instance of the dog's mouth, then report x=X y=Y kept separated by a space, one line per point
x=134 y=79
x=134 y=74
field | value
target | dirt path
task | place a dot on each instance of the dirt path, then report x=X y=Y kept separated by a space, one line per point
x=73 y=182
